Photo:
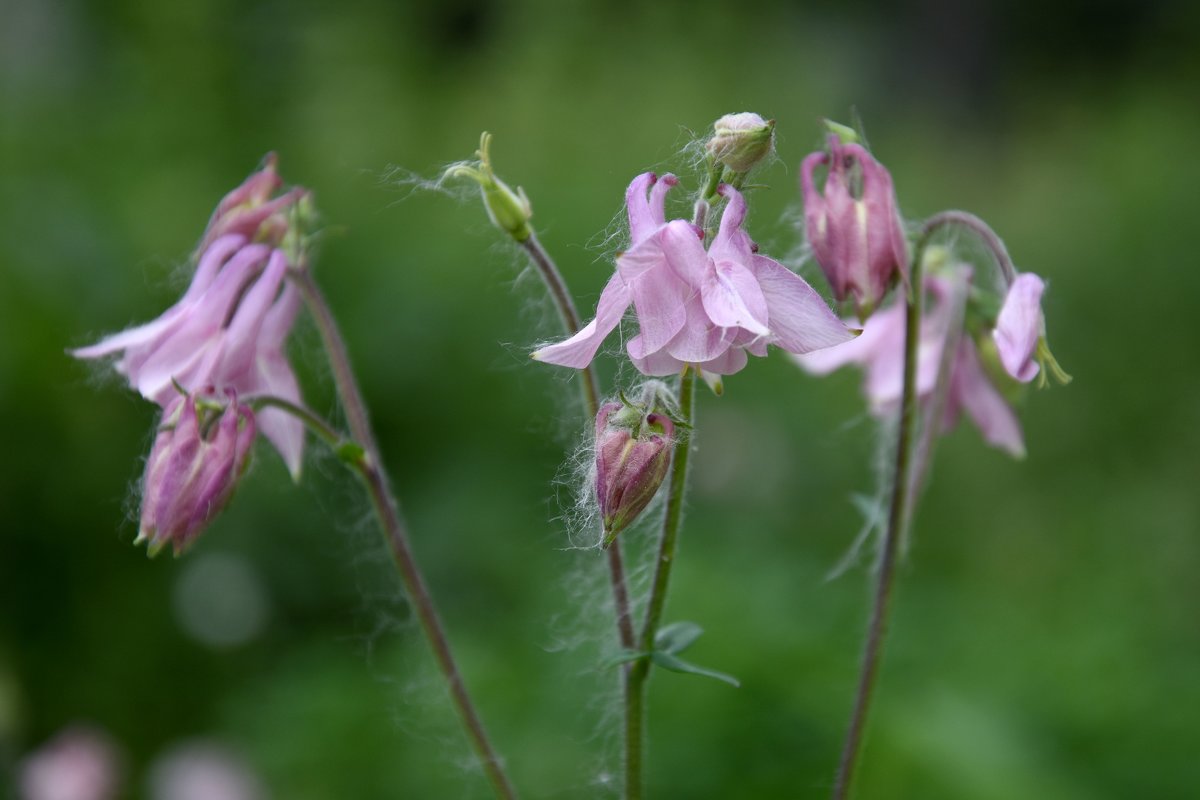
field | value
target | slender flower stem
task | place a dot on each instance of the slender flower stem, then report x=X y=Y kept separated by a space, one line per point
x=566 y=312
x=899 y=514
x=386 y=507
x=981 y=229
x=590 y=388
x=318 y=425
x=640 y=671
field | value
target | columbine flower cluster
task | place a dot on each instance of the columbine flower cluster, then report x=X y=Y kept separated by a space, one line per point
x=857 y=239
x=221 y=343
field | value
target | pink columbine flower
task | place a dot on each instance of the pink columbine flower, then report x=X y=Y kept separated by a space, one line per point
x=229 y=329
x=1019 y=326
x=853 y=224
x=705 y=308
x=880 y=352
x=633 y=452
x=193 y=468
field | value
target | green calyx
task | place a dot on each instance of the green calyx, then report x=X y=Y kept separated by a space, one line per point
x=845 y=134
x=508 y=210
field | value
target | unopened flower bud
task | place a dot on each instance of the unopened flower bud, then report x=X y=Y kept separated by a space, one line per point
x=197 y=458
x=508 y=210
x=633 y=452
x=741 y=141
x=250 y=211
x=853 y=224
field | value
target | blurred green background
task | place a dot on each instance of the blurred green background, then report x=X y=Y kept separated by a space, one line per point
x=1046 y=638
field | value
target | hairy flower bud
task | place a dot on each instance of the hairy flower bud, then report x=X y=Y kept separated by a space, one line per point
x=741 y=141
x=193 y=468
x=508 y=210
x=633 y=451
x=853 y=224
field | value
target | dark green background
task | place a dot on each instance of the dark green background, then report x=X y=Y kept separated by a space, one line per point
x=1046 y=640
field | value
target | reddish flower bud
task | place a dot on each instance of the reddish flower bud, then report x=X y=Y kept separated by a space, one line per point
x=193 y=469
x=853 y=225
x=633 y=451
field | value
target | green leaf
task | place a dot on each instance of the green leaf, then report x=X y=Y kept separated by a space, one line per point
x=676 y=637
x=668 y=661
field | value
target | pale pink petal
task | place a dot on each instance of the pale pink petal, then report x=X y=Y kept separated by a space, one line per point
x=658 y=293
x=642 y=222
x=658 y=199
x=683 y=250
x=799 y=319
x=755 y=345
x=206 y=271
x=700 y=340
x=972 y=391
x=732 y=243
x=274 y=376
x=729 y=362
x=657 y=363
x=580 y=349
x=242 y=333
x=1019 y=325
x=186 y=347
x=816 y=223
x=732 y=298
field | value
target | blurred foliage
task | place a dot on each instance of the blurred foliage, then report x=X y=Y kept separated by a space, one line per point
x=1045 y=640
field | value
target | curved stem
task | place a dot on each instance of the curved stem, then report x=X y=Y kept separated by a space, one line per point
x=395 y=531
x=311 y=420
x=980 y=229
x=899 y=514
x=640 y=670
x=566 y=312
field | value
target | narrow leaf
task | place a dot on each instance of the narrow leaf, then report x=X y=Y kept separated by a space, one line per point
x=676 y=637
x=667 y=661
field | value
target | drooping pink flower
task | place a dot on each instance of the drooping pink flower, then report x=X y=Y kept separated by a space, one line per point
x=704 y=308
x=880 y=352
x=193 y=469
x=853 y=224
x=633 y=452
x=1019 y=326
x=229 y=329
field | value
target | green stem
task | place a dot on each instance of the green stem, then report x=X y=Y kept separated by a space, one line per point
x=899 y=515
x=316 y=424
x=387 y=509
x=640 y=670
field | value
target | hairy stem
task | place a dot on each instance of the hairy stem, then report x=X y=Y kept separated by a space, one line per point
x=590 y=388
x=899 y=514
x=640 y=670
x=395 y=531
